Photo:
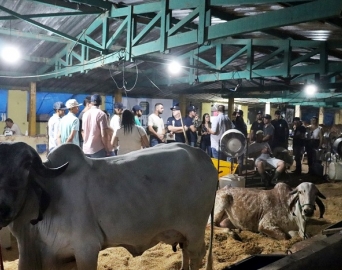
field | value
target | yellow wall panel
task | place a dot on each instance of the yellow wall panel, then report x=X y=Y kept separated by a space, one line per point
x=17 y=108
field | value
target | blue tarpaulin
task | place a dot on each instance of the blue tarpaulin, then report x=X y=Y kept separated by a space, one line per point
x=3 y=99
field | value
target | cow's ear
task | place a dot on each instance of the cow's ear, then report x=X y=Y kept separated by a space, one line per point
x=293 y=202
x=319 y=194
x=321 y=207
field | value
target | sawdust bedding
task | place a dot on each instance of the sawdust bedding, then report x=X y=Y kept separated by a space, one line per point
x=226 y=250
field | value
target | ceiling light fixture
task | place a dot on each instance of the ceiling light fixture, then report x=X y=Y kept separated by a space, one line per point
x=10 y=53
x=310 y=89
x=174 y=67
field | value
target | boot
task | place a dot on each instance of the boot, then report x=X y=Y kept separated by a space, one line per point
x=276 y=176
x=266 y=179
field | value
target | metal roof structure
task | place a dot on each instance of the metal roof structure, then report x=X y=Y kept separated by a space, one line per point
x=252 y=50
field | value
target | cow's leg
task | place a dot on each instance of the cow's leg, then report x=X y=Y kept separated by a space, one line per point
x=185 y=257
x=196 y=255
x=86 y=254
x=272 y=231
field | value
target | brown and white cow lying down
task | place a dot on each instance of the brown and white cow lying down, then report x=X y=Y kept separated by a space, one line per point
x=273 y=212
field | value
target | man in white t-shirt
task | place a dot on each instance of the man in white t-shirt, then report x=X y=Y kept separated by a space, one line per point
x=12 y=127
x=156 y=125
x=220 y=124
x=53 y=123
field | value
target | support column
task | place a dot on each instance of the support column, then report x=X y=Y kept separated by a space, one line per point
x=297 y=111
x=321 y=115
x=118 y=96
x=244 y=108
x=267 y=108
x=230 y=109
x=32 y=113
x=103 y=105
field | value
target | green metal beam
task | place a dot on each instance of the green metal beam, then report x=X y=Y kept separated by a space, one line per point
x=18 y=33
x=47 y=15
x=47 y=28
x=319 y=10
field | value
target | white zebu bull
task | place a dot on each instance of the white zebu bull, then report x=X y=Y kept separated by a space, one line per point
x=273 y=212
x=164 y=193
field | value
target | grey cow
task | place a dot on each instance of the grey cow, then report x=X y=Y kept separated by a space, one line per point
x=64 y=217
x=275 y=212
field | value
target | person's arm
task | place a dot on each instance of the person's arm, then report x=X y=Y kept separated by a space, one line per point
x=71 y=136
x=177 y=129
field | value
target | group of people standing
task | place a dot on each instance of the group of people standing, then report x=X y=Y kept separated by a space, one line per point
x=93 y=131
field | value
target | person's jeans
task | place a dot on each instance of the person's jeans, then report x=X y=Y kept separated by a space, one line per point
x=153 y=141
x=206 y=148
x=215 y=154
x=100 y=154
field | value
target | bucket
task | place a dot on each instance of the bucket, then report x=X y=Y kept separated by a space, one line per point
x=41 y=148
x=335 y=171
x=226 y=167
x=232 y=180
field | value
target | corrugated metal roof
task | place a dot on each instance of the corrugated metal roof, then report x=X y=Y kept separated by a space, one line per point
x=100 y=80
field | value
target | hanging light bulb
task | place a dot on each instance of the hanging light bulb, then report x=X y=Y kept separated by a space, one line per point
x=174 y=67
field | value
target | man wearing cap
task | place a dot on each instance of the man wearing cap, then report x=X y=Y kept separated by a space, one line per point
x=192 y=123
x=220 y=124
x=10 y=125
x=174 y=126
x=137 y=111
x=298 y=143
x=241 y=126
x=53 y=123
x=69 y=124
x=281 y=131
x=314 y=143
x=258 y=124
x=262 y=152
x=155 y=125
x=268 y=129
x=95 y=130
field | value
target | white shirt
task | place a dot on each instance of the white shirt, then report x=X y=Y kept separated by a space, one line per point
x=115 y=123
x=16 y=129
x=157 y=122
x=130 y=141
x=53 y=126
x=221 y=123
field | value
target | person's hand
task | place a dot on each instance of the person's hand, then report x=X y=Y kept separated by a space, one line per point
x=161 y=137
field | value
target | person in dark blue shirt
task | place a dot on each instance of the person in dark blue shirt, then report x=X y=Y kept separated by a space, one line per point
x=174 y=126
x=298 y=143
x=191 y=121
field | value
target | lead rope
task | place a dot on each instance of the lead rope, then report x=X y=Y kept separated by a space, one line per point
x=1 y=260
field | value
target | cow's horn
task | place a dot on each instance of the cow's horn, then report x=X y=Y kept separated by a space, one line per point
x=321 y=207
x=41 y=169
x=319 y=194
x=294 y=191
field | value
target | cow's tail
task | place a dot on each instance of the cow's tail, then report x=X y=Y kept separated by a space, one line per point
x=209 y=265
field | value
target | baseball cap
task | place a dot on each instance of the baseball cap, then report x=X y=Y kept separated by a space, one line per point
x=137 y=108
x=118 y=105
x=192 y=108
x=175 y=107
x=59 y=106
x=277 y=112
x=315 y=117
x=259 y=112
x=267 y=116
x=71 y=103
x=296 y=119
x=259 y=131
x=96 y=99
